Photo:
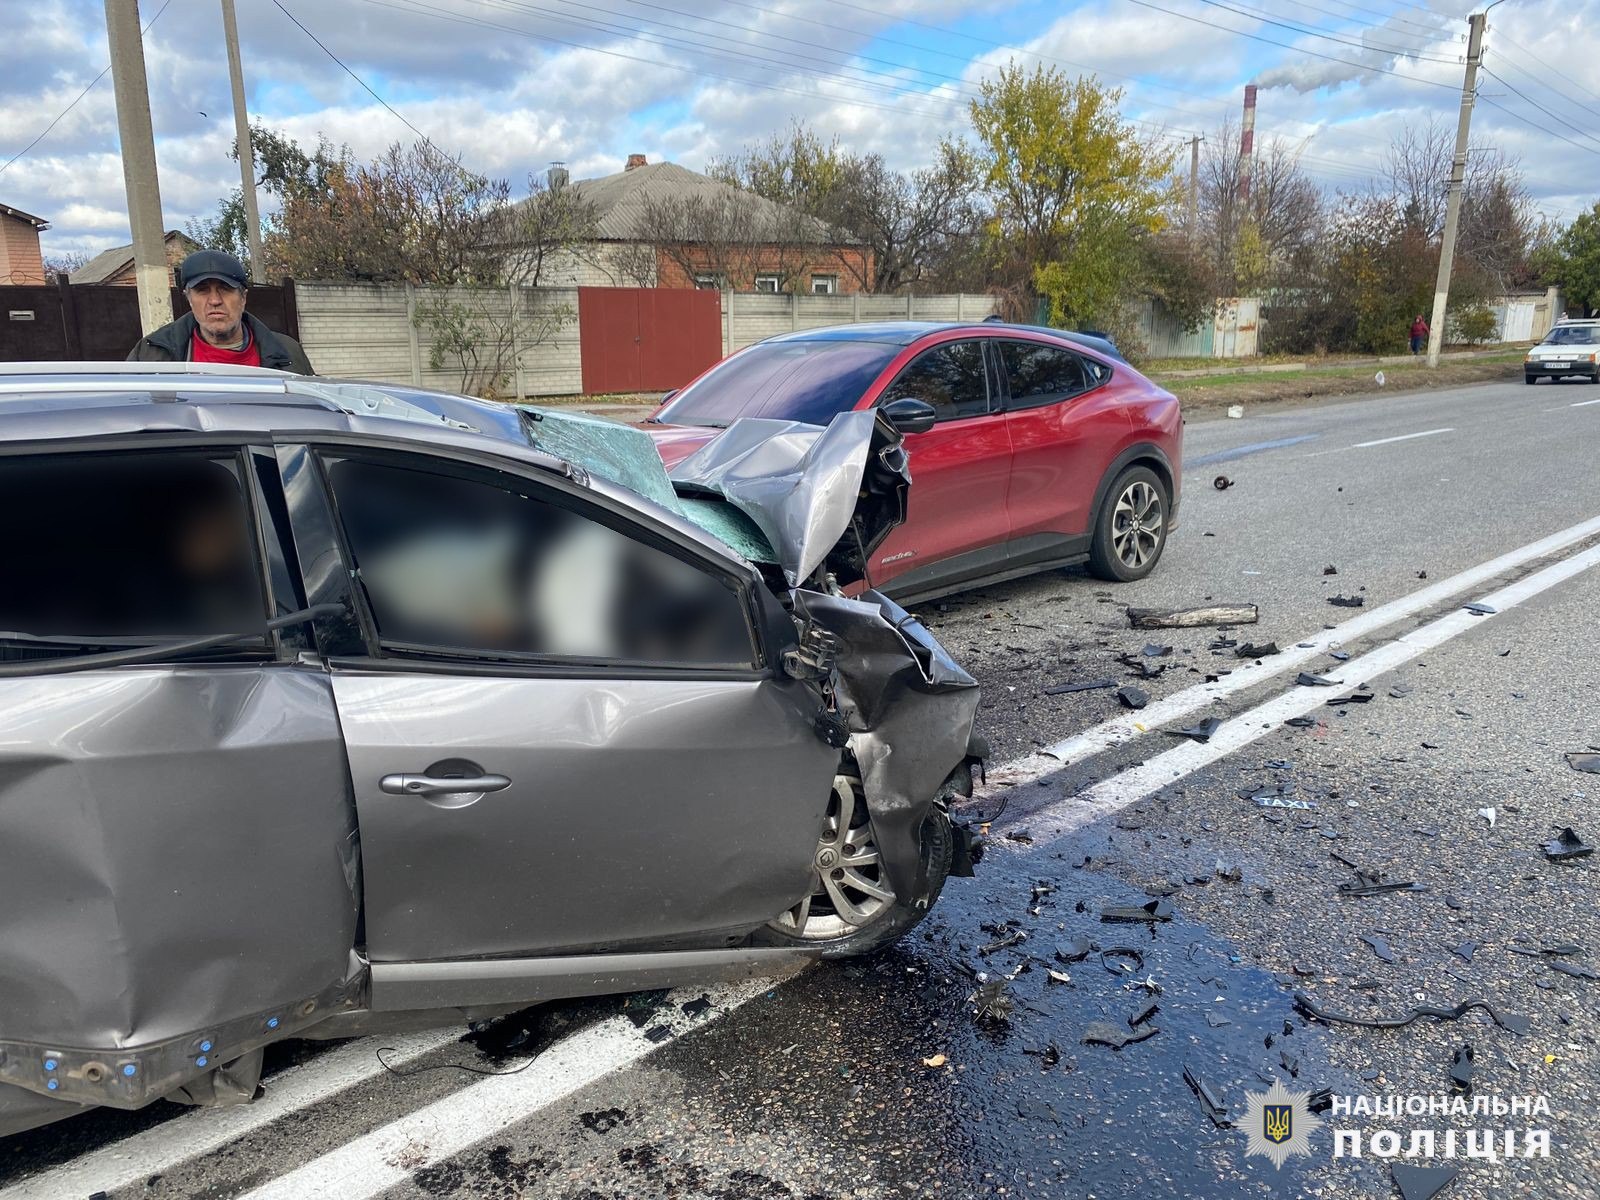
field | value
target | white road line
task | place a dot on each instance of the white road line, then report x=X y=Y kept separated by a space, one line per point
x=1404 y=437
x=1583 y=403
x=1062 y=817
x=1192 y=699
x=387 y=1156
x=201 y=1130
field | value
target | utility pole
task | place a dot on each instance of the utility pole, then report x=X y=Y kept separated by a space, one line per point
x=1458 y=170
x=139 y=163
x=247 y=158
x=1194 y=188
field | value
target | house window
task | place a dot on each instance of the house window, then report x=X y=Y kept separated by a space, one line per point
x=769 y=283
x=706 y=282
x=824 y=285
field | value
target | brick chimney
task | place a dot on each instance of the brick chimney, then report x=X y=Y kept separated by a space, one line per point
x=636 y=160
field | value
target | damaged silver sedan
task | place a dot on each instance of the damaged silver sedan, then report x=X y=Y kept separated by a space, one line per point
x=328 y=708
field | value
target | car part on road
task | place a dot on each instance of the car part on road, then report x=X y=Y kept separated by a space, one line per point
x=1062 y=689
x=1566 y=846
x=1422 y=1183
x=1251 y=650
x=1347 y=601
x=1132 y=697
x=1222 y=483
x=1200 y=731
x=1512 y=1022
x=1155 y=911
x=1589 y=763
x=1479 y=610
x=1130 y=530
x=1189 y=618
x=1380 y=946
x=1209 y=1101
x=1352 y=698
x=1104 y=1033
x=1576 y=970
x=1372 y=883
x=1306 y=679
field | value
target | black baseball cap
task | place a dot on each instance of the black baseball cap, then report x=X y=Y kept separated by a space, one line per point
x=211 y=264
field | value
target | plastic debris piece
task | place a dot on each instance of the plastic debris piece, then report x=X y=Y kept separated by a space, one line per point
x=1352 y=698
x=1372 y=883
x=1209 y=1100
x=1061 y=689
x=1465 y=951
x=1074 y=951
x=1380 y=381
x=1301 y=722
x=1306 y=679
x=1347 y=601
x=1488 y=814
x=1223 y=642
x=1479 y=610
x=1217 y=1020
x=1156 y=650
x=1110 y=959
x=1056 y=976
x=1132 y=697
x=1566 y=846
x=1380 y=946
x=1201 y=731
x=991 y=1003
x=1330 y=569
x=1251 y=650
x=1421 y=1183
x=1236 y=411
x=1576 y=970
x=1188 y=618
x=1513 y=1022
x=1339 y=655
x=1589 y=763
x=1461 y=1071
x=1222 y=483
x=1104 y=1033
x=1010 y=938
x=938 y=1060
x=698 y=1007
x=658 y=1033
x=1399 y=691
x=1156 y=910
x=1019 y=835
x=1144 y=1014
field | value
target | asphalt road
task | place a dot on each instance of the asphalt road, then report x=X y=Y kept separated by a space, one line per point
x=902 y=1076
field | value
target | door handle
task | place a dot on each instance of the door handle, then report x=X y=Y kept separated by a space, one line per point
x=431 y=785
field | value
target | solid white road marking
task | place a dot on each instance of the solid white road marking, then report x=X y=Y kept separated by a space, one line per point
x=1062 y=817
x=1190 y=700
x=387 y=1156
x=1583 y=403
x=1404 y=437
x=201 y=1130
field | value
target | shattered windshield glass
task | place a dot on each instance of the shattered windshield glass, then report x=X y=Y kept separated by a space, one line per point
x=796 y=381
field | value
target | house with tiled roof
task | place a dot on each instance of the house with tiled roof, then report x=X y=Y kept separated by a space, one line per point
x=116 y=264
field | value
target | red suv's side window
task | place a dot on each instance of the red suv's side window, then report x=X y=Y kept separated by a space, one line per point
x=1037 y=374
x=950 y=377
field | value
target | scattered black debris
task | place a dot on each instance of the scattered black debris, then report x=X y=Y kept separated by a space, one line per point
x=1330 y=569
x=1216 y=1020
x=1209 y=1101
x=657 y=1033
x=698 y=1007
x=1347 y=601
x=1019 y=835
x=1074 y=951
x=1223 y=642
x=1512 y=1022
x=1110 y=958
x=1201 y=731
x=991 y=1003
x=1104 y=1033
x=1143 y=1015
x=1372 y=883
x=1399 y=691
x=1132 y=697
x=1061 y=689
x=1461 y=1071
x=1339 y=655
x=1306 y=679
x=1301 y=722
x=1291 y=1063
x=641 y=1006
x=1584 y=762
x=1320 y=1100
x=1156 y=910
x=1251 y=650
x=1352 y=698
x=1479 y=610
x=1008 y=938
x=1566 y=846
x=1222 y=483
x=1380 y=946
x=1421 y=1183
x=1465 y=951
x=1037 y=1110
x=1156 y=650
x=1186 y=618
x=1576 y=970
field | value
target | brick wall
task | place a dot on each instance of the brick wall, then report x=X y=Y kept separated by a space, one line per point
x=749 y=317
x=848 y=263
x=20 y=261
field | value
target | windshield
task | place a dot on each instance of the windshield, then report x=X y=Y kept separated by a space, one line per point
x=1573 y=335
x=796 y=381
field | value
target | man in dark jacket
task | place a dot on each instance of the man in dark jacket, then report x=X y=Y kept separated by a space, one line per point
x=217 y=328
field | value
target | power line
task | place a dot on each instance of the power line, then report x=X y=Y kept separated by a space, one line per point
x=1531 y=74
x=1546 y=66
x=1313 y=31
x=426 y=140
x=1431 y=30
x=1581 y=132
x=1296 y=49
x=77 y=98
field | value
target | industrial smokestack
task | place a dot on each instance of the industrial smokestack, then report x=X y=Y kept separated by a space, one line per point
x=556 y=177
x=1247 y=141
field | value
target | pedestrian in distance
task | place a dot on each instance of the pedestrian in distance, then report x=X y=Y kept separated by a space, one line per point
x=216 y=328
x=1419 y=334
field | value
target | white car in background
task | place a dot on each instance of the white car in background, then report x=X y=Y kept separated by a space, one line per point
x=1570 y=348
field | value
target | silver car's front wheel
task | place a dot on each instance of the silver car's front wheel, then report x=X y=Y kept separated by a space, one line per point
x=849 y=891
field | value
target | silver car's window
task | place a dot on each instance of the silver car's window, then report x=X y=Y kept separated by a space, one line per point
x=470 y=562
x=112 y=550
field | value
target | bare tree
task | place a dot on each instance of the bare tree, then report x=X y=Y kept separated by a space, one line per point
x=1246 y=240
x=549 y=231
x=733 y=236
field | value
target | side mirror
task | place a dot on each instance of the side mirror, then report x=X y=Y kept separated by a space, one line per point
x=909 y=415
x=667 y=396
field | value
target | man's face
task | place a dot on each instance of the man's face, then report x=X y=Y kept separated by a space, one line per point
x=218 y=307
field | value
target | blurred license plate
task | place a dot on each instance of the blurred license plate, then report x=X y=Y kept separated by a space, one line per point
x=1562 y=366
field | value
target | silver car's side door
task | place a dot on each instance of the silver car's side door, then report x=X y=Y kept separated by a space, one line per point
x=561 y=729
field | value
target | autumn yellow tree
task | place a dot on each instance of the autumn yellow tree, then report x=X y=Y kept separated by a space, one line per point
x=1074 y=190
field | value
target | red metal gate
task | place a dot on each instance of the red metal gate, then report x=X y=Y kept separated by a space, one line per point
x=646 y=339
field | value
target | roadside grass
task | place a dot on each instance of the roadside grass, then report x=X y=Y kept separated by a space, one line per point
x=1206 y=391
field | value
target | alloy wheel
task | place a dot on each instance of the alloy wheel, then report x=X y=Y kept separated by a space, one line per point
x=848 y=888
x=1136 y=523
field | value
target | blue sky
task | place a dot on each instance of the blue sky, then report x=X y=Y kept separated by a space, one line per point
x=512 y=85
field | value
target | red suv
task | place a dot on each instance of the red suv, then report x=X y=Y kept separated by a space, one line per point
x=1030 y=448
